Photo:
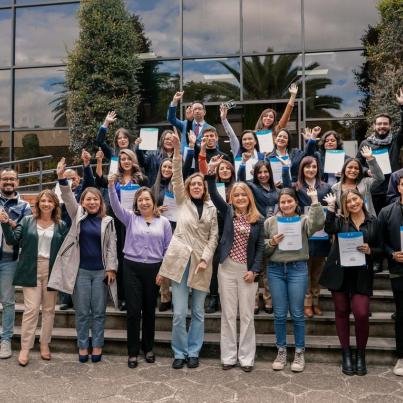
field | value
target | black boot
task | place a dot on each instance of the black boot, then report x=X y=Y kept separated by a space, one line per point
x=212 y=305
x=347 y=364
x=361 y=366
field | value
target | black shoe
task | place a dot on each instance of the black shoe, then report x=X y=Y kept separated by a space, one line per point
x=393 y=316
x=268 y=309
x=212 y=306
x=256 y=311
x=132 y=362
x=247 y=368
x=150 y=357
x=96 y=358
x=64 y=307
x=361 y=366
x=178 y=363
x=193 y=362
x=377 y=267
x=347 y=363
x=83 y=358
x=165 y=306
x=122 y=306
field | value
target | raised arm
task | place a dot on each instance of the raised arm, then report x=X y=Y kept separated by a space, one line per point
x=172 y=119
x=122 y=214
x=399 y=98
x=216 y=198
x=177 y=175
x=67 y=194
x=377 y=175
x=233 y=139
x=187 y=165
x=88 y=177
x=203 y=168
x=288 y=110
x=316 y=216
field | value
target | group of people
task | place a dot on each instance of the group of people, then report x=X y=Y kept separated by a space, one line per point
x=186 y=220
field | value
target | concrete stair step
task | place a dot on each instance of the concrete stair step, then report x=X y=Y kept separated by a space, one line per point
x=380 y=351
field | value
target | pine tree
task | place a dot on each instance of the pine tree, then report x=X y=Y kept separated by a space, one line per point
x=102 y=71
x=382 y=74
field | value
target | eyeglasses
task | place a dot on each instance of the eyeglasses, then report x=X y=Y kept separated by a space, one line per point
x=8 y=179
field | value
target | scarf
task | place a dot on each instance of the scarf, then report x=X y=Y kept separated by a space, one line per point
x=386 y=141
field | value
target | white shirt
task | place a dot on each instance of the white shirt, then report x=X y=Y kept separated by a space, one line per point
x=45 y=236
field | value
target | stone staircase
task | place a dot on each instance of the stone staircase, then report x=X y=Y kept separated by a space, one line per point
x=322 y=344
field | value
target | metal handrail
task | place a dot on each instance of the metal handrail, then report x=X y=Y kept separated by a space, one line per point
x=46 y=157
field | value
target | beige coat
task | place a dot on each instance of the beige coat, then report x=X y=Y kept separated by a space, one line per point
x=193 y=238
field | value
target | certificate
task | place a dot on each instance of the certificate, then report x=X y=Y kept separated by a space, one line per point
x=170 y=202
x=127 y=194
x=221 y=190
x=382 y=158
x=349 y=255
x=291 y=228
x=185 y=153
x=265 y=139
x=114 y=165
x=334 y=161
x=277 y=168
x=321 y=234
x=58 y=192
x=149 y=138
x=401 y=239
x=248 y=167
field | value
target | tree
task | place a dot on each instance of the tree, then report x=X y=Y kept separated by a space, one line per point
x=102 y=69
x=382 y=73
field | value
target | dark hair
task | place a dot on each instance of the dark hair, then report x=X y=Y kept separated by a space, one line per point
x=277 y=132
x=210 y=129
x=399 y=178
x=289 y=192
x=256 y=170
x=301 y=176
x=360 y=173
x=232 y=179
x=136 y=172
x=96 y=192
x=259 y=123
x=343 y=202
x=241 y=147
x=143 y=189
x=56 y=212
x=126 y=133
x=339 y=140
x=155 y=189
x=199 y=102
x=383 y=115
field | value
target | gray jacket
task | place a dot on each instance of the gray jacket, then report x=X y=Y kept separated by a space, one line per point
x=65 y=268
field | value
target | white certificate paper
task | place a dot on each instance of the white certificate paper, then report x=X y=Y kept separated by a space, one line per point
x=170 y=202
x=114 y=166
x=221 y=190
x=127 y=194
x=248 y=167
x=277 y=168
x=349 y=255
x=291 y=228
x=149 y=138
x=265 y=138
x=185 y=153
x=382 y=158
x=321 y=234
x=334 y=161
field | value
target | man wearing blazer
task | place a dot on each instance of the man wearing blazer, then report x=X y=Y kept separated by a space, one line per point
x=195 y=114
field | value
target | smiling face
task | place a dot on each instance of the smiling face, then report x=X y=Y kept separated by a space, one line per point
x=167 y=143
x=268 y=119
x=211 y=139
x=281 y=140
x=145 y=204
x=330 y=142
x=263 y=175
x=310 y=170
x=46 y=204
x=354 y=203
x=382 y=126
x=198 y=112
x=239 y=198
x=126 y=162
x=91 y=202
x=287 y=205
x=224 y=172
x=248 y=142
x=122 y=141
x=8 y=183
x=166 y=169
x=196 y=187
x=71 y=174
x=352 y=170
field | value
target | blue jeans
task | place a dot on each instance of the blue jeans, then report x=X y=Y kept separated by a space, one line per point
x=7 y=294
x=90 y=297
x=187 y=344
x=288 y=284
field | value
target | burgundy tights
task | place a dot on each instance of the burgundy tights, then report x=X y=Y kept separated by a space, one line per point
x=359 y=305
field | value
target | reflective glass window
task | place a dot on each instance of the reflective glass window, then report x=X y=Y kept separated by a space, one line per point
x=211 y=80
x=337 y=23
x=160 y=19
x=39 y=98
x=210 y=27
x=5 y=35
x=331 y=89
x=5 y=99
x=160 y=81
x=44 y=33
x=273 y=25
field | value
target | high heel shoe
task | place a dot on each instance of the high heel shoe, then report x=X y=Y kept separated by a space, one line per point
x=45 y=352
x=23 y=358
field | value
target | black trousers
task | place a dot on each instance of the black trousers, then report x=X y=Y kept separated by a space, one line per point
x=379 y=202
x=141 y=300
x=397 y=288
x=214 y=280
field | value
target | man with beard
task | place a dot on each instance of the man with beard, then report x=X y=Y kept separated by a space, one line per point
x=16 y=208
x=380 y=139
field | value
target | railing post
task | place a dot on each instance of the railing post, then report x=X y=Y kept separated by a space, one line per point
x=40 y=175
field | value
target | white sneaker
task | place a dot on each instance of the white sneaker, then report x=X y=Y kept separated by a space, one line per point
x=298 y=364
x=398 y=368
x=5 y=349
x=281 y=360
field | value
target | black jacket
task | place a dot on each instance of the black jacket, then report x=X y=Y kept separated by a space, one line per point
x=390 y=219
x=333 y=274
x=256 y=237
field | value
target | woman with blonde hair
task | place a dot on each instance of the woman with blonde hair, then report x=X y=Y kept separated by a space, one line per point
x=188 y=260
x=241 y=250
x=39 y=237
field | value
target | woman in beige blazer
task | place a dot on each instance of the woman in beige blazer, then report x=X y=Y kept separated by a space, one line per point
x=188 y=260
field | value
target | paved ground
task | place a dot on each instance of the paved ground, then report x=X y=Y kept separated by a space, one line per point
x=64 y=379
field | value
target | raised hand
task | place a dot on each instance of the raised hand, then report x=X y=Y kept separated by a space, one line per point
x=366 y=152
x=399 y=96
x=110 y=118
x=61 y=166
x=176 y=141
x=214 y=162
x=85 y=157
x=330 y=200
x=307 y=133
x=99 y=155
x=223 y=112
x=313 y=194
x=112 y=178
x=192 y=139
x=138 y=141
x=203 y=145
x=178 y=97
x=293 y=90
x=246 y=156
x=189 y=113
x=4 y=218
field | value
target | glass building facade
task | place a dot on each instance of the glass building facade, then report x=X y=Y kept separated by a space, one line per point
x=249 y=51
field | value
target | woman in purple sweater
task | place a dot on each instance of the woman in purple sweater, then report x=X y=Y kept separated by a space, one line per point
x=147 y=238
